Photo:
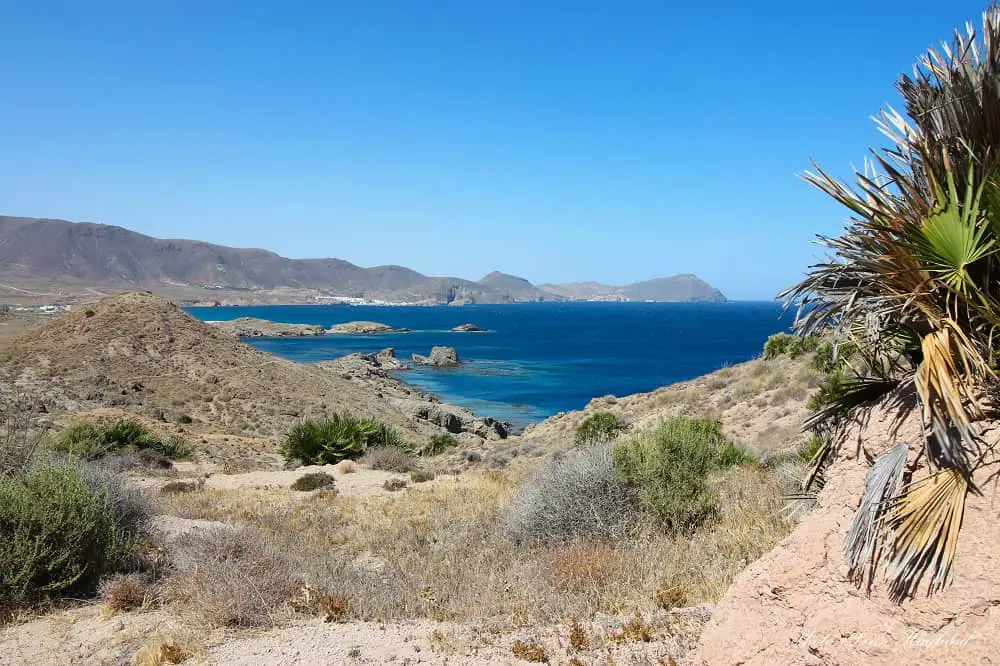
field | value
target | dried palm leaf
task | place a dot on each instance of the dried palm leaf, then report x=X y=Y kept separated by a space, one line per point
x=923 y=523
x=862 y=548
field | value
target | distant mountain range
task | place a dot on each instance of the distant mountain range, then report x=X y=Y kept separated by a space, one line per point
x=108 y=256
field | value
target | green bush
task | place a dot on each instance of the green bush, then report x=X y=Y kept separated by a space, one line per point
x=794 y=346
x=338 y=437
x=669 y=468
x=64 y=526
x=314 y=481
x=599 y=427
x=830 y=390
x=438 y=444
x=91 y=441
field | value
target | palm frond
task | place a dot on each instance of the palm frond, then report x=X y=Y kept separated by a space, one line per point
x=862 y=548
x=923 y=522
x=852 y=393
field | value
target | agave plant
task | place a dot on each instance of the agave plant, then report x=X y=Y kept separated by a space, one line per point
x=913 y=285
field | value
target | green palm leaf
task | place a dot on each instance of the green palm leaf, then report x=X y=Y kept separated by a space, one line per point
x=956 y=236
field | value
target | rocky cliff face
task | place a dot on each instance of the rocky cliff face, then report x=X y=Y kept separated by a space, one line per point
x=795 y=606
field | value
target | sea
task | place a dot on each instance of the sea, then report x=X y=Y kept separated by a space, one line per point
x=536 y=359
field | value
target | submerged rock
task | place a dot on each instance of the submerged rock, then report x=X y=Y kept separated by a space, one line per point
x=441 y=357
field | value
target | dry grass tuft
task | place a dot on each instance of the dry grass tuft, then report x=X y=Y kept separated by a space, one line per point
x=161 y=651
x=578 y=636
x=124 y=592
x=635 y=630
x=584 y=566
x=530 y=651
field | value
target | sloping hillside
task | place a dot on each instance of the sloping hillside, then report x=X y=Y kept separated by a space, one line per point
x=760 y=403
x=796 y=605
x=139 y=353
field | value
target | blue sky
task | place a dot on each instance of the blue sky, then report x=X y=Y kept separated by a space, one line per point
x=559 y=141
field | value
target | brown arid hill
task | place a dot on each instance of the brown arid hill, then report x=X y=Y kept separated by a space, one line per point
x=678 y=288
x=139 y=353
x=761 y=405
x=796 y=606
x=48 y=261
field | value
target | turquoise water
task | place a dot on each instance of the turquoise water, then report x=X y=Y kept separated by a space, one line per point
x=537 y=358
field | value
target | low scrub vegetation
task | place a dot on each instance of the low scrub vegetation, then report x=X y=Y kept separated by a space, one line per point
x=599 y=427
x=91 y=441
x=669 y=468
x=337 y=437
x=314 y=481
x=793 y=346
x=64 y=526
x=443 y=552
x=389 y=459
x=231 y=578
x=439 y=444
x=576 y=497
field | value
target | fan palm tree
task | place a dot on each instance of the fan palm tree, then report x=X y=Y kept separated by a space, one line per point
x=914 y=284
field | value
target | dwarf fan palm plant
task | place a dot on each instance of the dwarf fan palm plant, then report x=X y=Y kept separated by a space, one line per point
x=913 y=285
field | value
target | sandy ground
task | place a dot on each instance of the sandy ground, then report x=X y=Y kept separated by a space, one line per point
x=86 y=636
x=352 y=479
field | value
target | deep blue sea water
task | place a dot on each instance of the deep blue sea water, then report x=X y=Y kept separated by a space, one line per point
x=537 y=358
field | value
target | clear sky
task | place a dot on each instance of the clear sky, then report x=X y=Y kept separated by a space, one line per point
x=559 y=141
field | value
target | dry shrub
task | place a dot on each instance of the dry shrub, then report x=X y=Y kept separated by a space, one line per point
x=347 y=467
x=530 y=651
x=314 y=481
x=389 y=459
x=575 y=497
x=230 y=578
x=331 y=607
x=635 y=630
x=421 y=476
x=584 y=566
x=174 y=487
x=578 y=636
x=161 y=651
x=392 y=485
x=124 y=592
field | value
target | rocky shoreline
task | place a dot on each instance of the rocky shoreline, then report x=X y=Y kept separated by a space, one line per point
x=374 y=372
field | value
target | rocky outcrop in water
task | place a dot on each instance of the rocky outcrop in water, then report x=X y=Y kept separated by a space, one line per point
x=363 y=327
x=366 y=365
x=468 y=328
x=441 y=357
x=374 y=370
x=250 y=327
